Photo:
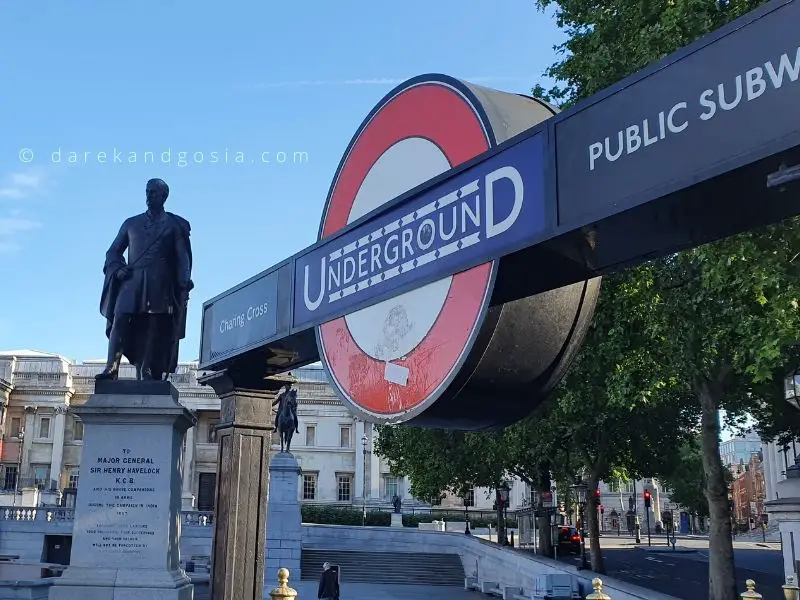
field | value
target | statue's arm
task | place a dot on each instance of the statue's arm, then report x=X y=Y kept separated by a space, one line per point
x=115 y=256
x=183 y=252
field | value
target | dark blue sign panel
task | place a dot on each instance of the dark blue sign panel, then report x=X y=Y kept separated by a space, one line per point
x=242 y=319
x=488 y=210
x=709 y=111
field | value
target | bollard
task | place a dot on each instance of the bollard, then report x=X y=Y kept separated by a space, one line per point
x=283 y=591
x=790 y=589
x=751 y=593
x=598 y=594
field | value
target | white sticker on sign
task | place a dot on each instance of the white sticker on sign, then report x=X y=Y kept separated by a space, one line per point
x=396 y=374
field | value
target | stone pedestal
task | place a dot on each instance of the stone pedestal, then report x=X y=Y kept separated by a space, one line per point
x=125 y=540
x=240 y=510
x=284 y=529
x=786 y=511
x=397 y=520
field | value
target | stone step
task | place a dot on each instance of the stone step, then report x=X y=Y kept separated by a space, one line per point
x=414 y=568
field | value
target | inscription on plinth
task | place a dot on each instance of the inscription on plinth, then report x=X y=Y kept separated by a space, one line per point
x=123 y=515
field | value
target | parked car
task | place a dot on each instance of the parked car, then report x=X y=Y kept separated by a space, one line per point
x=569 y=540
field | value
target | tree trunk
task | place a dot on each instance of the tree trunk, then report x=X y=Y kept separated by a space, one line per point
x=721 y=569
x=592 y=507
x=501 y=522
x=543 y=522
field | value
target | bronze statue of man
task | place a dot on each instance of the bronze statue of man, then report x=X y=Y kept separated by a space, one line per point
x=144 y=299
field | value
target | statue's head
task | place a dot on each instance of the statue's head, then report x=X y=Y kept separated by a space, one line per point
x=156 y=192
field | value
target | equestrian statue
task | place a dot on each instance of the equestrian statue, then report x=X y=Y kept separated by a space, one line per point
x=286 y=417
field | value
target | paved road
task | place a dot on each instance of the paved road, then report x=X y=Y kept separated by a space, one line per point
x=368 y=591
x=685 y=575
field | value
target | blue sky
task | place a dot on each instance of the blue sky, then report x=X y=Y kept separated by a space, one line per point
x=247 y=76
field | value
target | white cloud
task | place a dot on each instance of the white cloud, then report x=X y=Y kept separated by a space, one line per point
x=8 y=248
x=10 y=192
x=13 y=225
x=372 y=81
x=28 y=180
x=21 y=184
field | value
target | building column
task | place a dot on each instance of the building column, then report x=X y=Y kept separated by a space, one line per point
x=187 y=493
x=240 y=508
x=57 y=456
x=359 y=444
x=374 y=468
x=30 y=426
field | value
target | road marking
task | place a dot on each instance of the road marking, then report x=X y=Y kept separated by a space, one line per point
x=653 y=559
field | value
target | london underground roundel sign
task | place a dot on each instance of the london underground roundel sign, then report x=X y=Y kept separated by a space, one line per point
x=393 y=360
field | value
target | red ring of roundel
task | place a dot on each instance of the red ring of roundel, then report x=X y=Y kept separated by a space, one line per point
x=441 y=114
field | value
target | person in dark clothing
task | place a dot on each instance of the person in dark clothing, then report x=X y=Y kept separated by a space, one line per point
x=328 y=583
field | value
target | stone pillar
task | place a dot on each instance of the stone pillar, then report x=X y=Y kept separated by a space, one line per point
x=240 y=509
x=126 y=536
x=786 y=511
x=374 y=468
x=30 y=433
x=359 y=474
x=283 y=516
x=187 y=493
x=57 y=456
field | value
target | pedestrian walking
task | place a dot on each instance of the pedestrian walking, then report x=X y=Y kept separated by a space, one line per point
x=328 y=583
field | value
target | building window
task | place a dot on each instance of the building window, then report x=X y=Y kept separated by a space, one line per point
x=72 y=480
x=44 y=428
x=344 y=437
x=212 y=431
x=16 y=427
x=392 y=486
x=10 y=477
x=470 y=499
x=309 y=486
x=41 y=476
x=344 y=484
x=77 y=430
x=311 y=435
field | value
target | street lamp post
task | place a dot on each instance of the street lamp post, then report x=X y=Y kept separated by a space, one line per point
x=580 y=490
x=504 y=495
x=364 y=444
x=466 y=515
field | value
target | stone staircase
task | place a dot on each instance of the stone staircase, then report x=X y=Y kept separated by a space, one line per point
x=412 y=568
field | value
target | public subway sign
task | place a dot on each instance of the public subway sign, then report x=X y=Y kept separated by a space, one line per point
x=699 y=114
x=241 y=319
x=484 y=212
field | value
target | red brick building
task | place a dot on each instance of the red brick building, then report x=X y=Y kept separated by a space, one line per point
x=748 y=492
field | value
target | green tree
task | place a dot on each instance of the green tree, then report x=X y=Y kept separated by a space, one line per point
x=726 y=320
x=686 y=479
x=438 y=461
x=727 y=316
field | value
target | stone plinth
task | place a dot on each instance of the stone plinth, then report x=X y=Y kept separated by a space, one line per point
x=125 y=541
x=786 y=511
x=284 y=530
x=397 y=520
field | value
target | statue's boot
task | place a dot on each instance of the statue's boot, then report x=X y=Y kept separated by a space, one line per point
x=147 y=374
x=112 y=367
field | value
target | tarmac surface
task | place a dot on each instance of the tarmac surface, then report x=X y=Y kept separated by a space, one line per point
x=373 y=591
x=684 y=572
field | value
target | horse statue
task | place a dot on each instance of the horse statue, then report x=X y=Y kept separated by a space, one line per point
x=286 y=417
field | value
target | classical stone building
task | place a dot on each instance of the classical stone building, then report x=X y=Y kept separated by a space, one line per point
x=41 y=441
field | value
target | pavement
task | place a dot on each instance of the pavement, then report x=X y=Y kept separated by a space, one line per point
x=373 y=591
x=684 y=574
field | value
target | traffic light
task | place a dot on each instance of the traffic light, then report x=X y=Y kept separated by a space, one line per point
x=597 y=492
x=647 y=498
